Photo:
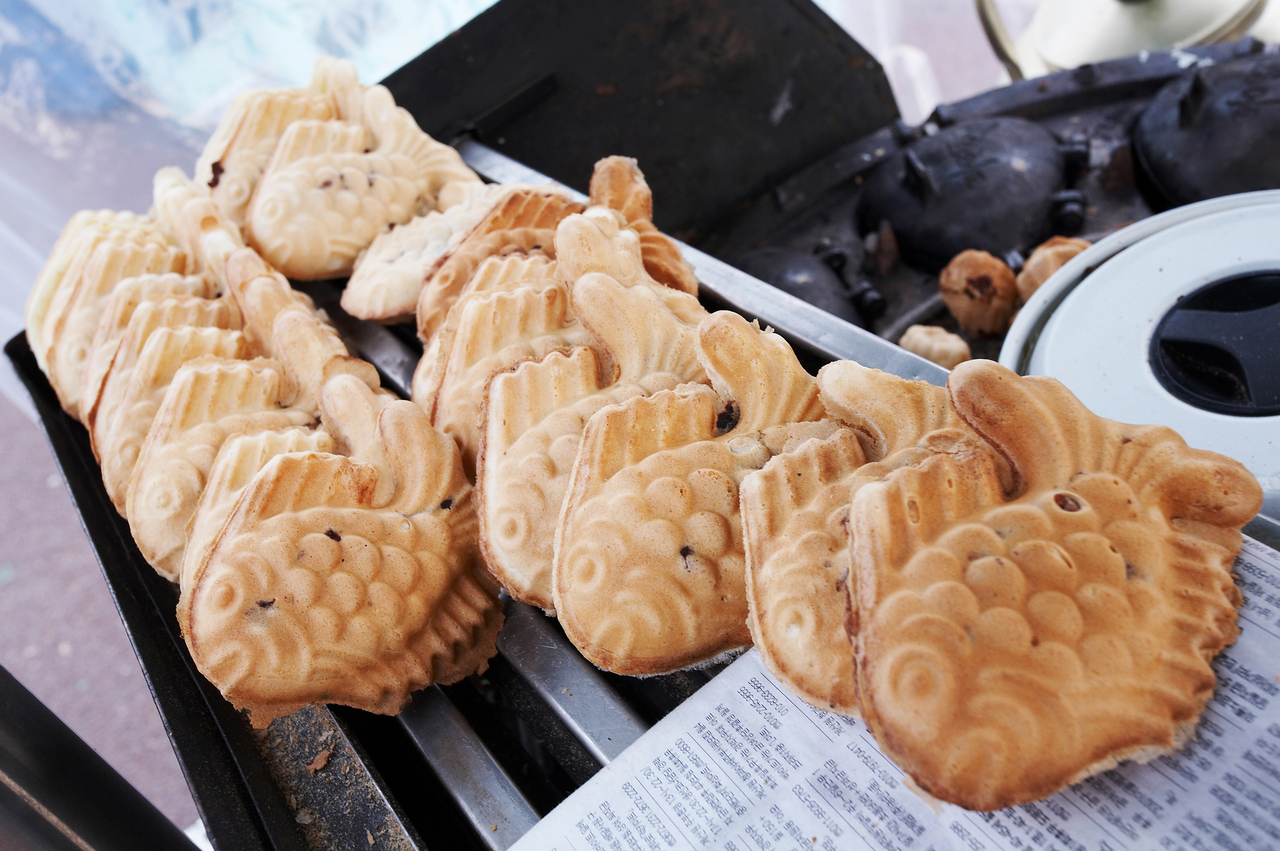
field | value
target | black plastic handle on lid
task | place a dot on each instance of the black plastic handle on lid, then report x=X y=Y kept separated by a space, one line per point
x=1219 y=348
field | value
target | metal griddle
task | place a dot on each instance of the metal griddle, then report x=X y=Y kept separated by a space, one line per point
x=475 y=765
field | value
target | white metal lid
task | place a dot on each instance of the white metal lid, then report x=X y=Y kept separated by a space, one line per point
x=1090 y=325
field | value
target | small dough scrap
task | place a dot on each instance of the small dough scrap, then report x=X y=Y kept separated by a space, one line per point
x=936 y=344
x=980 y=291
x=1049 y=257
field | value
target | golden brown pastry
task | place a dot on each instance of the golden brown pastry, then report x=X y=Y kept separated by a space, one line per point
x=534 y=416
x=523 y=222
x=314 y=591
x=1008 y=647
x=648 y=570
x=1049 y=257
x=980 y=291
x=617 y=183
x=936 y=344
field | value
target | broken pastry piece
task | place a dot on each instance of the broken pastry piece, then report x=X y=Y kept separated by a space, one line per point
x=534 y=417
x=648 y=569
x=936 y=344
x=1007 y=647
x=1049 y=257
x=980 y=291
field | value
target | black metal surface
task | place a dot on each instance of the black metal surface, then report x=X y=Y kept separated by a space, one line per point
x=1099 y=87
x=240 y=806
x=331 y=786
x=1091 y=113
x=985 y=183
x=1213 y=132
x=804 y=276
x=1218 y=348
x=63 y=782
x=717 y=100
x=417 y=790
x=23 y=827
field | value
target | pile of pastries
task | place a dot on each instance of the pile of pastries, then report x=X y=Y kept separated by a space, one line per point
x=1011 y=591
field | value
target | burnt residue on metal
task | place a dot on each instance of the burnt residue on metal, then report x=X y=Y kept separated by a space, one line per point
x=335 y=800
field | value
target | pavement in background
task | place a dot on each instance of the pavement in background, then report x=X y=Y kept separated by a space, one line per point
x=60 y=634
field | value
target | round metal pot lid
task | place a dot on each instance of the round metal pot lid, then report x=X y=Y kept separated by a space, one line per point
x=1069 y=33
x=1099 y=326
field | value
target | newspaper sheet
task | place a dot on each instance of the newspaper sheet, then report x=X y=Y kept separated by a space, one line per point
x=744 y=764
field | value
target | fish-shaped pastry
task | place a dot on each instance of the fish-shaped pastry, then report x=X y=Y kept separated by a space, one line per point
x=236 y=154
x=648 y=571
x=1007 y=646
x=795 y=515
x=313 y=590
x=534 y=416
x=209 y=401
